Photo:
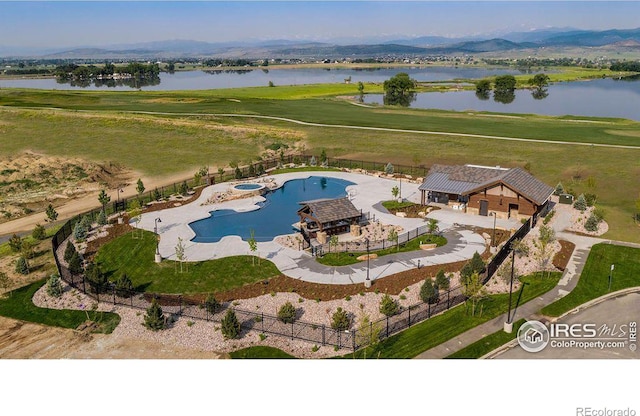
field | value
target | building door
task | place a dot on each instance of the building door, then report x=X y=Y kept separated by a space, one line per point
x=484 y=207
x=513 y=210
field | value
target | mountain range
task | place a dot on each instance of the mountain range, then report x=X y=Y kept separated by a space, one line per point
x=284 y=48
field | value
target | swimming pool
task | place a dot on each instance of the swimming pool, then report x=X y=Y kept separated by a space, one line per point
x=275 y=216
x=248 y=186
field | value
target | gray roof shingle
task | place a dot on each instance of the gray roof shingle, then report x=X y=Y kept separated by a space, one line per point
x=463 y=180
x=328 y=210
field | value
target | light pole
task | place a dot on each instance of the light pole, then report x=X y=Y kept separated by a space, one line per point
x=158 y=258
x=367 y=282
x=611 y=276
x=118 y=191
x=508 y=325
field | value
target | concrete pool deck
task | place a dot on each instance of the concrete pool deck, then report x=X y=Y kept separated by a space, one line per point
x=365 y=194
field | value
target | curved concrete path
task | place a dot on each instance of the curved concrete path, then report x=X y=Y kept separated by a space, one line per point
x=367 y=192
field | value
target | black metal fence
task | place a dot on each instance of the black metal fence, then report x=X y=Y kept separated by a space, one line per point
x=374 y=245
x=319 y=334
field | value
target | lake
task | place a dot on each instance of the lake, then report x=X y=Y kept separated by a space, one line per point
x=216 y=79
x=595 y=98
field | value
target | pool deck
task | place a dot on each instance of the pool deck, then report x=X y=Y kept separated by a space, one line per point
x=365 y=194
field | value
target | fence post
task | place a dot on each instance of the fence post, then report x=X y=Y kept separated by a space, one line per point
x=409 y=316
x=353 y=339
x=84 y=287
x=291 y=331
x=448 y=293
x=429 y=310
x=206 y=313
x=98 y=294
x=262 y=321
x=387 y=327
x=323 y=336
x=114 y=295
x=370 y=331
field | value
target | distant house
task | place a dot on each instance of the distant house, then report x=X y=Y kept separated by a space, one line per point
x=481 y=190
x=327 y=217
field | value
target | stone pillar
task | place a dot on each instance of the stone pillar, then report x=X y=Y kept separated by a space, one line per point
x=321 y=236
x=356 y=230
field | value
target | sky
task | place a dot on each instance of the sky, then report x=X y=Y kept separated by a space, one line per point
x=57 y=24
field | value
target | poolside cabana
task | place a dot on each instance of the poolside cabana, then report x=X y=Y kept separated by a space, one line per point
x=322 y=217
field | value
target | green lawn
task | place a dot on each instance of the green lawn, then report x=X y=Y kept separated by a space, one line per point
x=488 y=343
x=434 y=331
x=259 y=352
x=343 y=259
x=5 y=249
x=397 y=205
x=135 y=257
x=18 y=305
x=594 y=280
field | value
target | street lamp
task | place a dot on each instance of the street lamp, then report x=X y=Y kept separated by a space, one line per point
x=158 y=258
x=508 y=325
x=118 y=194
x=367 y=282
x=611 y=276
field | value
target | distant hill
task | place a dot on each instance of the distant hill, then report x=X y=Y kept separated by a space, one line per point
x=592 y=38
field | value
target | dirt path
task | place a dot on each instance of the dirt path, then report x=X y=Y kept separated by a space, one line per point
x=80 y=205
x=21 y=340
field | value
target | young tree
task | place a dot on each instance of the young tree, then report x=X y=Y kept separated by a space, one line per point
x=104 y=199
x=395 y=192
x=154 y=318
x=15 y=243
x=184 y=189
x=504 y=272
x=26 y=250
x=580 y=203
x=140 y=187
x=221 y=173
x=475 y=292
x=98 y=281
x=477 y=264
x=340 y=320
x=323 y=157
x=124 y=286
x=545 y=238
x=5 y=282
x=368 y=333
x=238 y=173
x=101 y=218
x=253 y=247
x=287 y=313
x=69 y=251
x=157 y=196
x=54 y=286
x=442 y=281
x=252 y=170
x=483 y=87
x=592 y=223
x=39 y=233
x=230 y=327
x=333 y=242
x=22 y=266
x=52 y=214
x=429 y=292
x=80 y=231
x=360 y=87
x=465 y=274
x=75 y=264
x=559 y=189
x=432 y=226
x=389 y=306
x=180 y=256
x=388 y=168
x=540 y=81
x=135 y=213
x=392 y=236
x=312 y=161
x=211 y=304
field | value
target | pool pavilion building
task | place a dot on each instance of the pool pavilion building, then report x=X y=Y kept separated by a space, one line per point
x=325 y=217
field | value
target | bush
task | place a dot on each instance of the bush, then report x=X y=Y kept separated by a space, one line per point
x=230 y=325
x=238 y=173
x=312 y=161
x=69 y=251
x=559 y=189
x=590 y=199
x=287 y=313
x=429 y=292
x=22 y=266
x=388 y=306
x=39 y=233
x=442 y=281
x=98 y=281
x=477 y=264
x=340 y=320
x=154 y=318
x=598 y=213
x=581 y=203
x=124 y=286
x=184 y=189
x=465 y=274
x=211 y=304
x=80 y=231
x=592 y=223
x=548 y=217
x=54 y=286
x=388 y=169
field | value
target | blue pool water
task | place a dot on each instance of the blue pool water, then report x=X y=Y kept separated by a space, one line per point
x=248 y=186
x=274 y=217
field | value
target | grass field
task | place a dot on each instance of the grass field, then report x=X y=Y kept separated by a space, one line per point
x=594 y=280
x=141 y=141
x=135 y=257
x=434 y=331
x=18 y=305
x=488 y=343
x=344 y=258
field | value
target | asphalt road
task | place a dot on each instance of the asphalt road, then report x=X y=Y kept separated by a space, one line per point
x=618 y=311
